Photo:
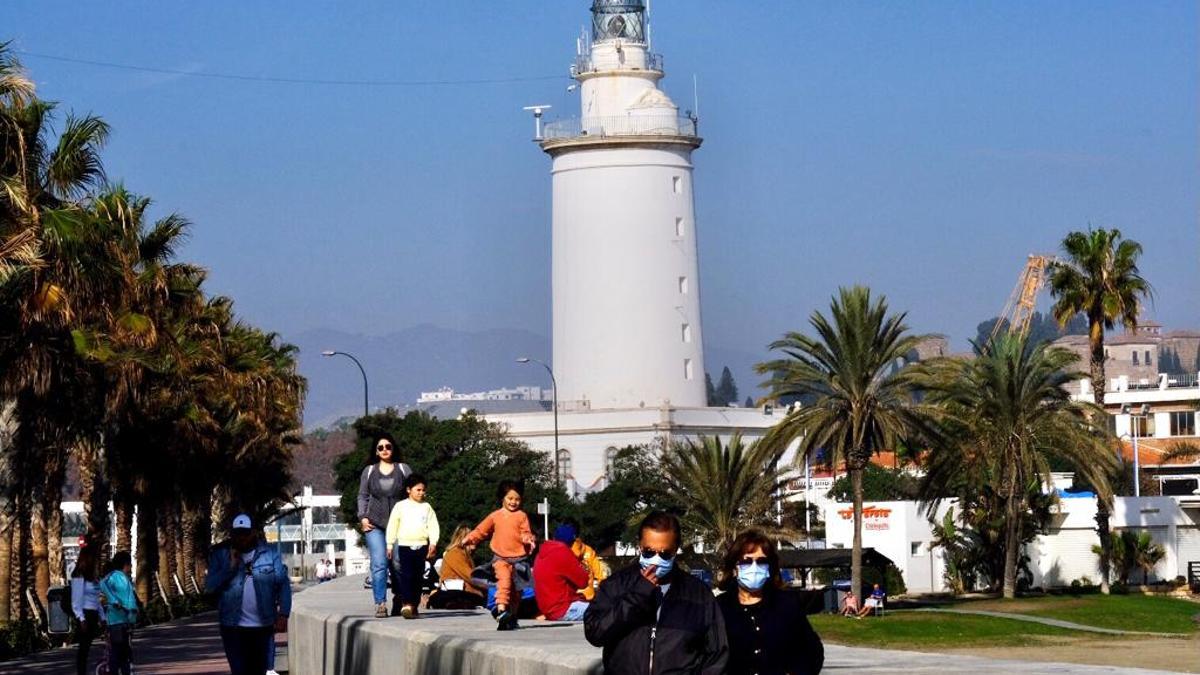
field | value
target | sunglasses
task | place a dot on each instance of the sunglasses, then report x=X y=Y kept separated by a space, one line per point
x=384 y=446
x=650 y=553
x=757 y=562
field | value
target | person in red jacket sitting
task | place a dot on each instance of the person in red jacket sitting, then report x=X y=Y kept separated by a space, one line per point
x=558 y=577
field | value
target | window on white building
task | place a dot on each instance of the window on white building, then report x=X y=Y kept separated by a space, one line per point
x=564 y=464
x=1144 y=424
x=678 y=226
x=677 y=185
x=1148 y=362
x=1135 y=357
x=687 y=369
x=686 y=333
x=916 y=548
x=683 y=285
x=1183 y=423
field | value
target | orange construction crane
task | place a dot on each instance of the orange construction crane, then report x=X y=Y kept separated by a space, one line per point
x=1018 y=311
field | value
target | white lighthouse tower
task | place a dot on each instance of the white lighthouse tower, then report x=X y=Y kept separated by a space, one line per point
x=626 y=306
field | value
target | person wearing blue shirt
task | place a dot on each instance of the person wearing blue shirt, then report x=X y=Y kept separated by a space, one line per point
x=120 y=612
x=254 y=596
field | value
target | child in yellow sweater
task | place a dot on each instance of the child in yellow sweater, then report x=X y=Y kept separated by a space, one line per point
x=512 y=541
x=412 y=536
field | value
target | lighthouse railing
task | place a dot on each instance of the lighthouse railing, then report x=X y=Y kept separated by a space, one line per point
x=633 y=124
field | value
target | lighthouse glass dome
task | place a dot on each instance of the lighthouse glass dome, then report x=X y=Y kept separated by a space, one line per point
x=619 y=20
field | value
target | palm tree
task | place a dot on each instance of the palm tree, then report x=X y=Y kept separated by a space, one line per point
x=1099 y=278
x=1009 y=410
x=1146 y=554
x=858 y=395
x=723 y=488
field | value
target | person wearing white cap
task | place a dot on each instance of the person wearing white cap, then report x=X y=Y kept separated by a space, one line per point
x=255 y=596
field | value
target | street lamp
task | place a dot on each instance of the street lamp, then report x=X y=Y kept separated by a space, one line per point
x=554 y=396
x=1143 y=412
x=366 y=400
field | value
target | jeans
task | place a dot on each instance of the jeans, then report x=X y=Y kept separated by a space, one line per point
x=246 y=648
x=575 y=611
x=89 y=628
x=271 y=651
x=411 y=563
x=377 y=548
x=120 y=649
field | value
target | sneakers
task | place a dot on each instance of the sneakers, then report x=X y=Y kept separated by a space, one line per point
x=509 y=622
x=381 y=610
x=408 y=612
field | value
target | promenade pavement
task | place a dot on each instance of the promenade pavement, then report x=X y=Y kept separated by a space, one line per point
x=332 y=630
x=190 y=646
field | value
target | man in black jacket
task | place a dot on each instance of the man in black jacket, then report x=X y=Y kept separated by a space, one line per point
x=654 y=619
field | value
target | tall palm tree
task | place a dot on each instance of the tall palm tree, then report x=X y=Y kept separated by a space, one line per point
x=1009 y=410
x=723 y=488
x=1099 y=278
x=857 y=395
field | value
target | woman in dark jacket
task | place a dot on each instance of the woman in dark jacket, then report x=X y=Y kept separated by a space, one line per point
x=379 y=488
x=767 y=626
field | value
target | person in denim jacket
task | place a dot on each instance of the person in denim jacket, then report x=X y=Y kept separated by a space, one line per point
x=254 y=593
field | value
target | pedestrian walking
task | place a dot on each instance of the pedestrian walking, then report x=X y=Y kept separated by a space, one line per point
x=85 y=603
x=412 y=536
x=120 y=612
x=380 y=487
x=254 y=596
x=512 y=541
x=652 y=617
x=766 y=624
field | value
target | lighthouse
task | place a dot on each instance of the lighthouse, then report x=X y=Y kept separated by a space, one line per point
x=626 y=293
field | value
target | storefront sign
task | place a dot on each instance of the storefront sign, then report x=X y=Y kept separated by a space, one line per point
x=874 y=517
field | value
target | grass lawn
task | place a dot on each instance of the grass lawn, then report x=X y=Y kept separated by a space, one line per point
x=928 y=630
x=1147 y=613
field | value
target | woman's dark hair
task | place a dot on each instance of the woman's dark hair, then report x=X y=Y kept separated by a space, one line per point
x=384 y=436
x=119 y=560
x=414 y=479
x=661 y=521
x=85 y=565
x=517 y=486
x=743 y=544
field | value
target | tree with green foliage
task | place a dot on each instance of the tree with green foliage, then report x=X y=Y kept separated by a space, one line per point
x=879 y=484
x=726 y=391
x=1004 y=415
x=1098 y=276
x=858 y=401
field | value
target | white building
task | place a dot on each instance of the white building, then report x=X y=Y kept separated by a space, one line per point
x=628 y=351
x=898 y=530
x=523 y=393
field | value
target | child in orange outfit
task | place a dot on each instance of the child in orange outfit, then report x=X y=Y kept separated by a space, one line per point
x=512 y=541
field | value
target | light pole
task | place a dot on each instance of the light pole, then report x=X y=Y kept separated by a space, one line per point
x=366 y=399
x=554 y=403
x=1143 y=412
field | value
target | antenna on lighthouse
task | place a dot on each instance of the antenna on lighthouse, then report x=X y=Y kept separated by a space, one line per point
x=537 y=119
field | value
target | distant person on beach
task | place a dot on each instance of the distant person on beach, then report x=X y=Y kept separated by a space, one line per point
x=559 y=577
x=412 y=536
x=512 y=541
x=380 y=487
x=652 y=617
x=254 y=596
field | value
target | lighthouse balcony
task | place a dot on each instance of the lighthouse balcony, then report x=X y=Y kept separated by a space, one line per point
x=630 y=59
x=623 y=126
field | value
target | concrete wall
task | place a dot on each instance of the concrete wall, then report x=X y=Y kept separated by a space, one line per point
x=332 y=631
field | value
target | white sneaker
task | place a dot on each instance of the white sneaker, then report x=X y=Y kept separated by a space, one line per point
x=271 y=672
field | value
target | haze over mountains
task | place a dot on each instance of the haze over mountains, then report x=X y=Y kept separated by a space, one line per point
x=425 y=357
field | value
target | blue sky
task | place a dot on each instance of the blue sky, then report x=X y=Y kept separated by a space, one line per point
x=922 y=148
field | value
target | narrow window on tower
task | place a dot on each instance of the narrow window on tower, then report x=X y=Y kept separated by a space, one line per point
x=687 y=369
x=677 y=185
x=683 y=285
x=678 y=226
x=687 y=333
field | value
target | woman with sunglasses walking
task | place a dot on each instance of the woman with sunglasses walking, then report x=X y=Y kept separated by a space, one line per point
x=767 y=625
x=379 y=488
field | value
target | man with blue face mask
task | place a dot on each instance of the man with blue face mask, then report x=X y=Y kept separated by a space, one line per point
x=651 y=617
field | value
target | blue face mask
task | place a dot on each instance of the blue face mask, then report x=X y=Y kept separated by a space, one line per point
x=752 y=576
x=661 y=567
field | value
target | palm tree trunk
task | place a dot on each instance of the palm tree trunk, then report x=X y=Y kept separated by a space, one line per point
x=39 y=549
x=1012 y=544
x=93 y=479
x=187 y=545
x=856 y=582
x=6 y=537
x=124 y=515
x=147 y=551
x=56 y=475
x=166 y=552
x=1103 y=507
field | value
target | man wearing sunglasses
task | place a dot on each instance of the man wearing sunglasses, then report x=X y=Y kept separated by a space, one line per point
x=652 y=617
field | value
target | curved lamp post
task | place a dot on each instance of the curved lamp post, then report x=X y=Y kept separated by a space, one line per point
x=366 y=404
x=554 y=396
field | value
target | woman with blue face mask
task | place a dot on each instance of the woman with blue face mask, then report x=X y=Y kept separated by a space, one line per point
x=766 y=624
